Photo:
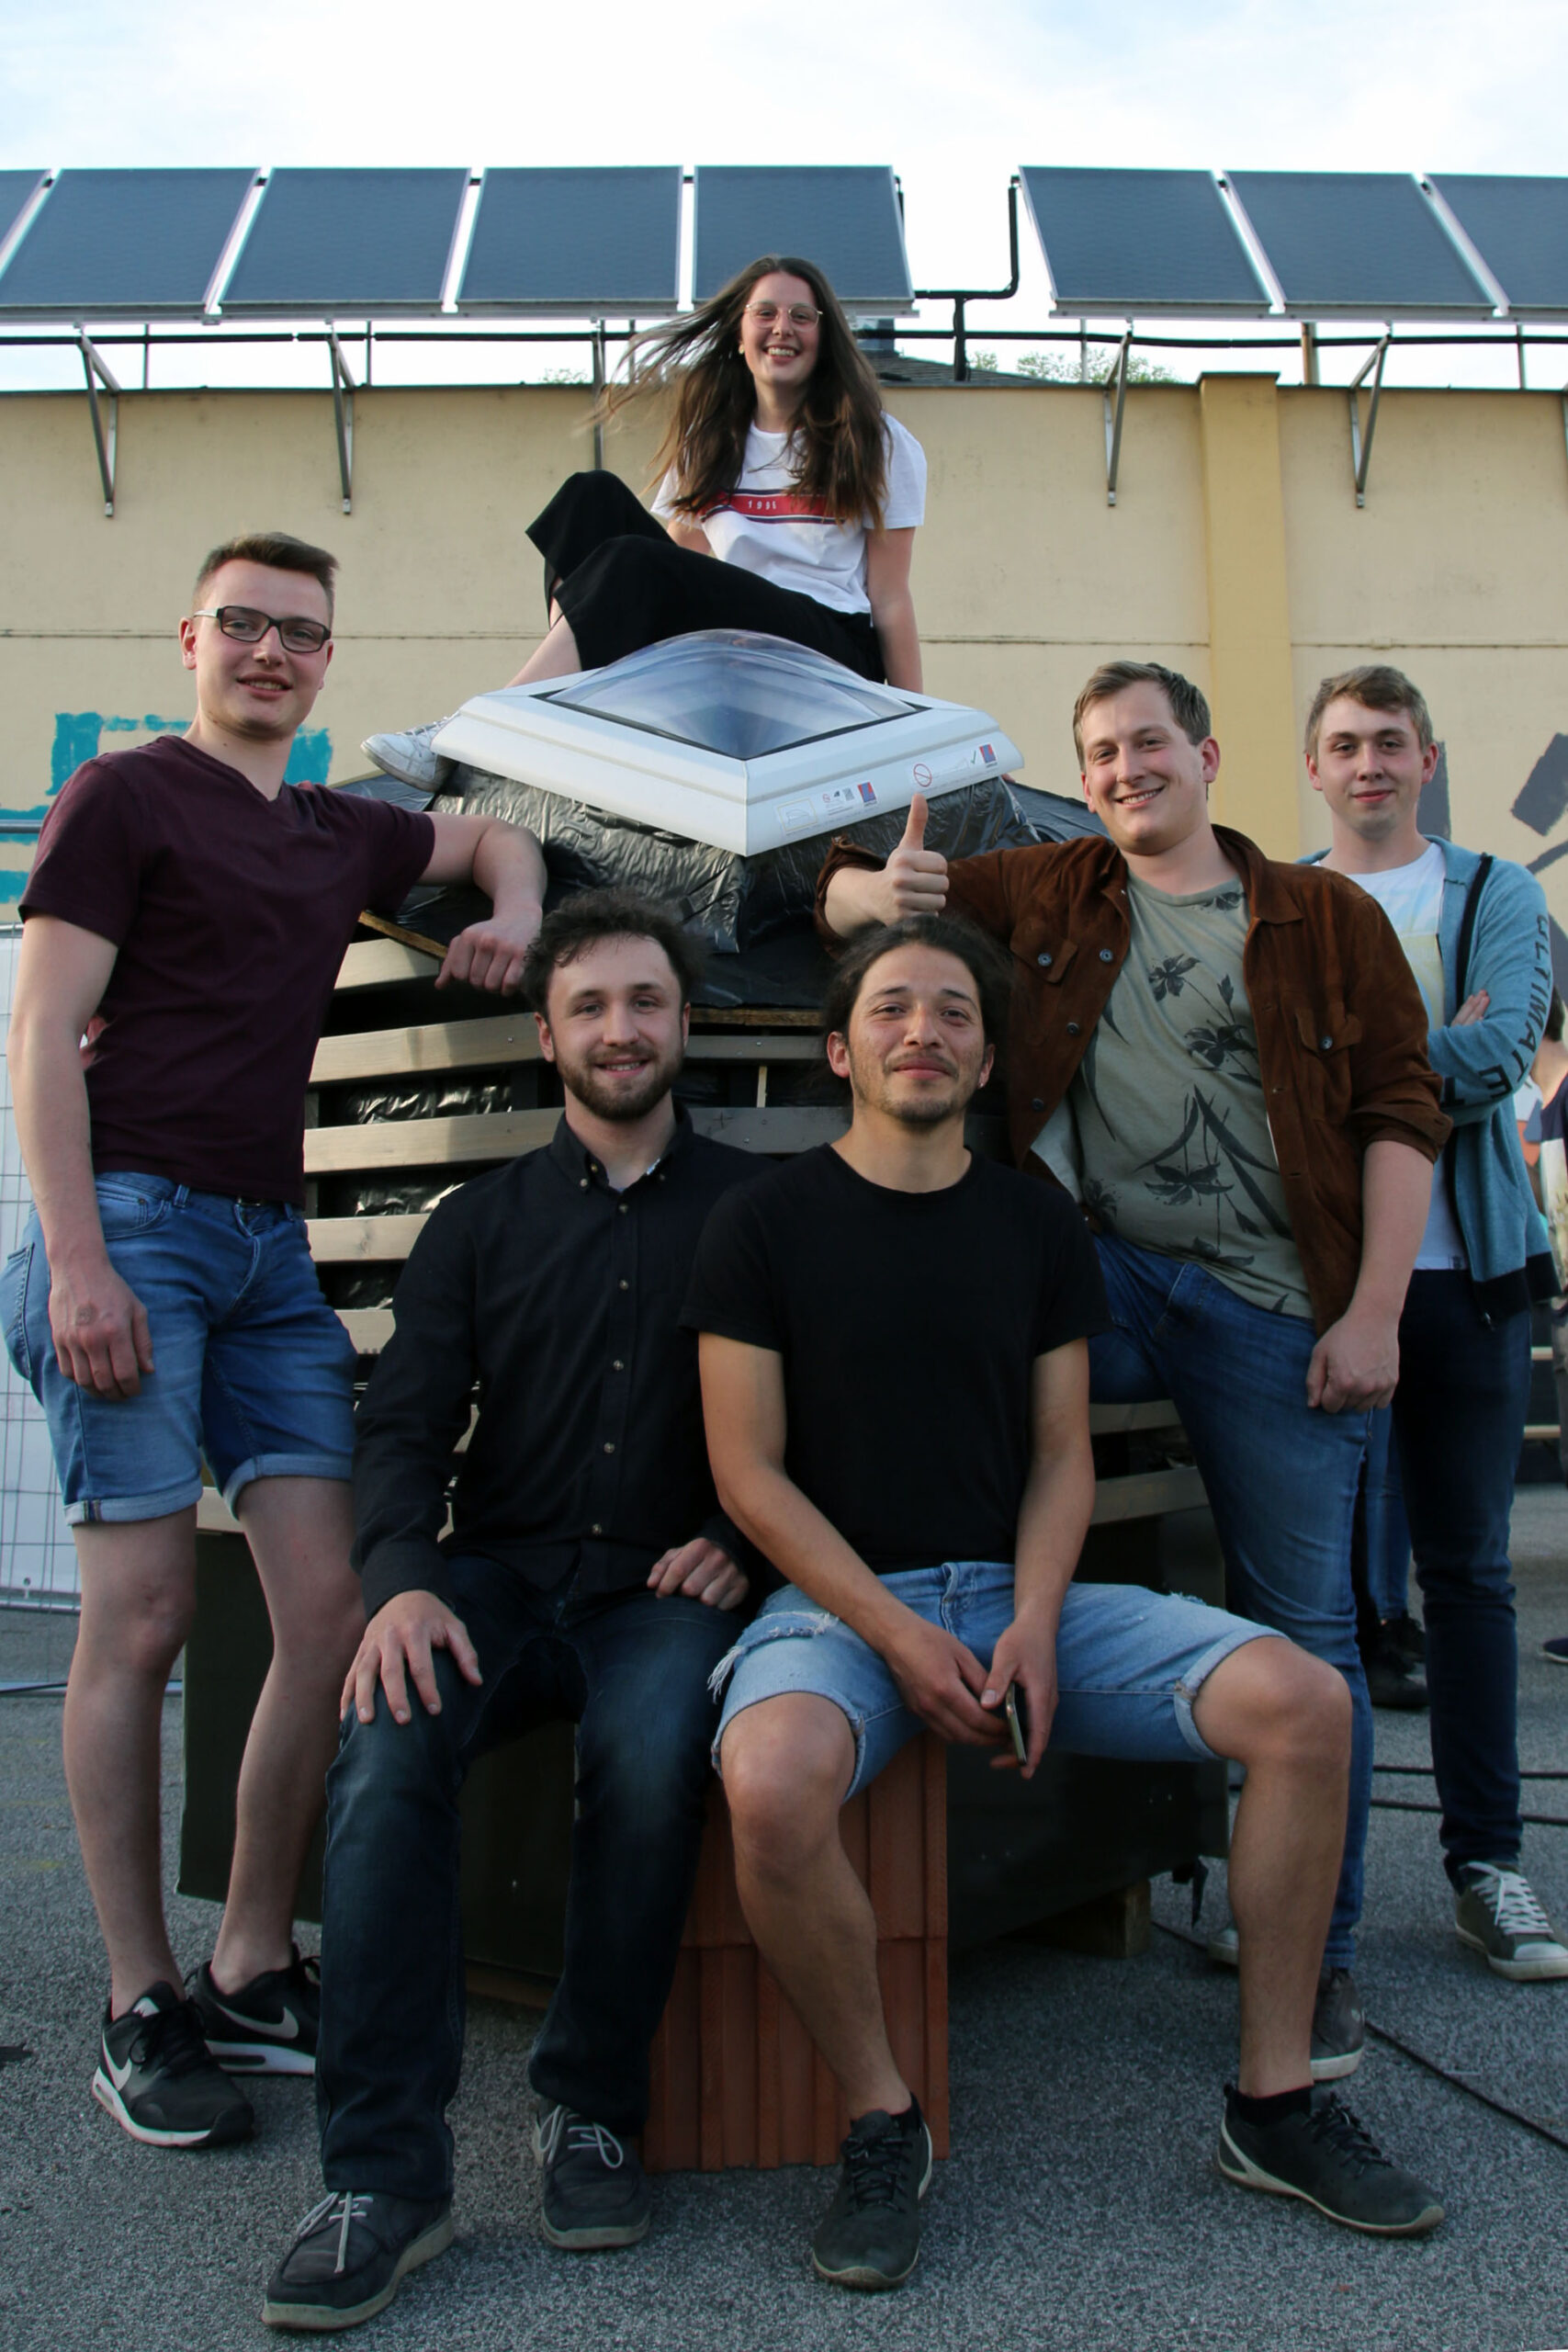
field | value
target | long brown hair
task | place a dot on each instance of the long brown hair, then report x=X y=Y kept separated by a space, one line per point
x=839 y=436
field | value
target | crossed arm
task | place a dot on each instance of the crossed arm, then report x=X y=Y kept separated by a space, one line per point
x=941 y=1679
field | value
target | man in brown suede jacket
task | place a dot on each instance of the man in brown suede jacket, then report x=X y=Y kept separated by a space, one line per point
x=1225 y=1058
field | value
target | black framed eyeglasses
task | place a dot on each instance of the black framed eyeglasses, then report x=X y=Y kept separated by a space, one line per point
x=247 y=627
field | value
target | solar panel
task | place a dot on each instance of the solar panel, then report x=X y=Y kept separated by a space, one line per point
x=1131 y=241
x=1362 y=243
x=594 y=239
x=845 y=218
x=346 y=241
x=1519 y=227
x=16 y=192
x=133 y=243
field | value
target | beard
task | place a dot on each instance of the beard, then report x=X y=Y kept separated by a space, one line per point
x=621 y=1099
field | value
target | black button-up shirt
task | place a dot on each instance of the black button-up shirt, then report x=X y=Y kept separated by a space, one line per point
x=561 y=1297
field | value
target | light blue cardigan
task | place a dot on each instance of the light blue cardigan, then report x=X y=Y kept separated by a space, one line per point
x=1480 y=1065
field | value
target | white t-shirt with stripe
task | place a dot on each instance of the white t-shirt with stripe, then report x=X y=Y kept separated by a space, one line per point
x=767 y=527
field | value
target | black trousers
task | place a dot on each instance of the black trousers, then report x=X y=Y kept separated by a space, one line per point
x=623 y=583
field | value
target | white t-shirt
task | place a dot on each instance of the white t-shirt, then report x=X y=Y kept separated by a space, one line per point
x=1412 y=898
x=767 y=527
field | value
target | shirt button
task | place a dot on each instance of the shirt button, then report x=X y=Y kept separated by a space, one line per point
x=582 y=1184
x=596 y=1528
x=618 y=1366
x=1038 y=1104
x=1106 y=956
x=1042 y=959
x=622 y=1206
x=1325 y=1044
x=623 y=1285
x=1072 y=1028
x=609 y=1445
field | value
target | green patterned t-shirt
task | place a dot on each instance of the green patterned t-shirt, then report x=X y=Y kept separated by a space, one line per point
x=1164 y=1134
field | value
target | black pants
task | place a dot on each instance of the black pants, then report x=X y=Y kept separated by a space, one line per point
x=623 y=583
x=632 y=1669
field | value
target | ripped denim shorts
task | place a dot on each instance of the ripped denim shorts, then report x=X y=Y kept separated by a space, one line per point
x=1130 y=1662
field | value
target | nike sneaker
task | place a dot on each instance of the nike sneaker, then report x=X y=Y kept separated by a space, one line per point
x=269 y=2026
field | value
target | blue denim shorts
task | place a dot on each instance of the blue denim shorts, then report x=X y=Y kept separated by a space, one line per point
x=1129 y=1662
x=253 y=1370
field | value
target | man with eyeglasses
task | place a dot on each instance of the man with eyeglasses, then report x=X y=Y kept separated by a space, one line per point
x=185 y=919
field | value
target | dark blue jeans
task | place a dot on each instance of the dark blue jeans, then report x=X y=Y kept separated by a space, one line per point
x=1281 y=1479
x=1459 y=1414
x=632 y=1671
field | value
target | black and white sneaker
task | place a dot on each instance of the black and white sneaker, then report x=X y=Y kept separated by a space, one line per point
x=1328 y=2159
x=269 y=2027
x=350 y=2255
x=158 y=2079
x=1497 y=1912
x=595 y=2191
x=870 y=2235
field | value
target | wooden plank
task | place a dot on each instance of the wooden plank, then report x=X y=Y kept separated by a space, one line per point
x=377 y=963
x=740 y=1969
x=786 y=1130
x=933 y=1766
x=369 y=1327
x=427 y=1143
x=1107 y=1420
x=443 y=1045
x=1146 y=1494
x=213 y=1516
x=754 y=1016
x=350 y=1240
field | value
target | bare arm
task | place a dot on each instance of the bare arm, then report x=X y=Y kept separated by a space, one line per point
x=743 y=1406
x=1356 y=1363
x=688 y=534
x=1053 y=1520
x=913 y=882
x=506 y=862
x=887 y=557
x=100 y=1326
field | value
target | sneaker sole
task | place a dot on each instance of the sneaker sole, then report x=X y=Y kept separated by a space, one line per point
x=226 y=2132
x=874 y=2282
x=1244 y=2174
x=262 y=2057
x=1334 y=2069
x=595 y=2236
x=1517 y=1972
x=321 y=2319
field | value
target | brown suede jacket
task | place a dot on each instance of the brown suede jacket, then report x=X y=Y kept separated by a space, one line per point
x=1341 y=1027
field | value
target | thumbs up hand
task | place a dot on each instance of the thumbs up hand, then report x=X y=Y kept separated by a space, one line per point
x=915 y=877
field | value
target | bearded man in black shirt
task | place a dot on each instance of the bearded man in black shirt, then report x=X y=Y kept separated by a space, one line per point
x=895 y=1368
x=588 y=1573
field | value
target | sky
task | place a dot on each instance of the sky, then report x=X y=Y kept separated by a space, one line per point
x=954 y=94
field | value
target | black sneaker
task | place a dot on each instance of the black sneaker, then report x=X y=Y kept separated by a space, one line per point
x=269 y=2027
x=350 y=2255
x=1394 y=1678
x=870 y=2235
x=595 y=2191
x=1328 y=2160
x=1339 y=2026
x=1556 y=1649
x=1408 y=1636
x=160 y=2082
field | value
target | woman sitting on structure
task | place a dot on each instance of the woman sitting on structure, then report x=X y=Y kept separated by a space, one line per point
x=779 y=461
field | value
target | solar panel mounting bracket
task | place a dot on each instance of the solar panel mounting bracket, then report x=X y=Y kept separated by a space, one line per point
x=961 y=297
x=1113 y=412
x=1361 y=441
x=344 y=390
x=103 y=412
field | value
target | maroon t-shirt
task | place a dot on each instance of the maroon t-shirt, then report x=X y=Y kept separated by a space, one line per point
x=231 y=913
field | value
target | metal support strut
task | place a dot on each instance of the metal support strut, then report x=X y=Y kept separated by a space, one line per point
x=342 y=417
x=1113 y=410
x=1361 y=444
x=961 y=296
x=104 y=414
x=598 y=395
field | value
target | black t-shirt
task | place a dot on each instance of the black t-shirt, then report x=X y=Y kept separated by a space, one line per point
x=908 y=1324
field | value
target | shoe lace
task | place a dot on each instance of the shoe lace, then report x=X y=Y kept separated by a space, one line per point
x=176 y=2037
x=343 y=2207
x=580 y=2136
x=1333 y=2121
x=1511 y=1901
x=875 y=2170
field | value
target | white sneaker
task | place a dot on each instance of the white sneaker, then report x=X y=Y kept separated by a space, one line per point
x=1224 y=1946
x=408 y=757
x=1495 y=1911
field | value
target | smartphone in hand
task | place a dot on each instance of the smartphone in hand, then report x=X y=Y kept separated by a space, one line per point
x=1015 y=1708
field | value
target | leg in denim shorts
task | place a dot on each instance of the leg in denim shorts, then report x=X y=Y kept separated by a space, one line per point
x=253 y=1369
x=1130 y=1663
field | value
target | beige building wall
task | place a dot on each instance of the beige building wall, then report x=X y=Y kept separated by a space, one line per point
x=1236 y=551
